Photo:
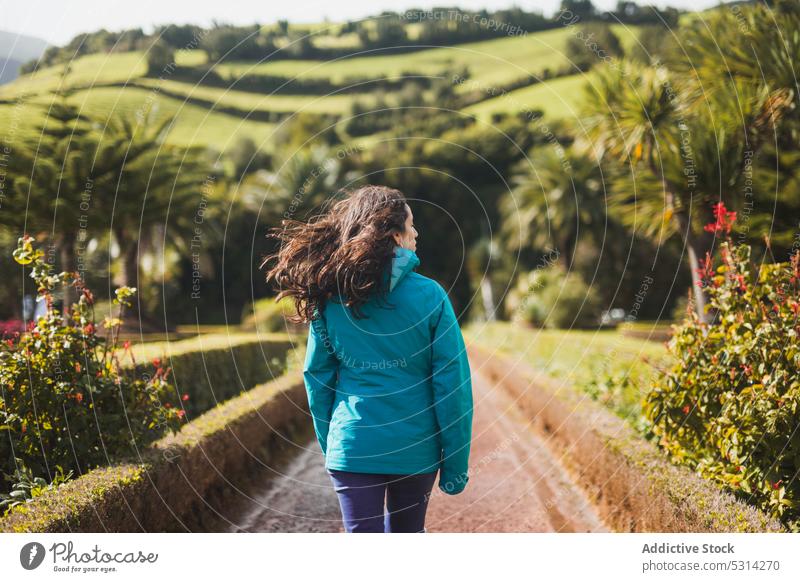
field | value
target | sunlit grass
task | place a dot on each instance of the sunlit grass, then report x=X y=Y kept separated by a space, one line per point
x=609 y=367
x=557 y=99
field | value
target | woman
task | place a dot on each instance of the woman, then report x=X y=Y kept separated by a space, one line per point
x=386 y=371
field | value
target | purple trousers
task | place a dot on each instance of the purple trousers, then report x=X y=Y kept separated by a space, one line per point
x=362 y=496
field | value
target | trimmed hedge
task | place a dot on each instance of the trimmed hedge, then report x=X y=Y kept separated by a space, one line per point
x=212 y=369
x=177 y=477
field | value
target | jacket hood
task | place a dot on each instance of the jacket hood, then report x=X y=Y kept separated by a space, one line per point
x=403 y=262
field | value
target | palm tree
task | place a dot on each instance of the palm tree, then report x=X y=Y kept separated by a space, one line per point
x=761 y=50
x=149 y=191
x=51 y=175
x=554 y=197
x=293 y=186
x=761 y=46
x=674 y=149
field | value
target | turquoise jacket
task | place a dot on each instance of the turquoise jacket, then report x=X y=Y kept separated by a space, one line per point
x=392 y=393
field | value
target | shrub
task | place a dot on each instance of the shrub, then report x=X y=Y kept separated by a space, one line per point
x=551 y=297
x=65 y=400
x=729 y=405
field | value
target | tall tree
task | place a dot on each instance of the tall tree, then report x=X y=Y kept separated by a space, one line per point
x=150 y=192
x=51 y=176
x=677 y=149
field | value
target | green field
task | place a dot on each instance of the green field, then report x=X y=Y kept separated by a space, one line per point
x=98 y=83
x=493 y=62
x=557 y=99
x=194 y=125
x=249 y=101
x=91 y=70
x=613 y=369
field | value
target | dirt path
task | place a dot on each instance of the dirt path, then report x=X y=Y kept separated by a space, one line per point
x=516 y=485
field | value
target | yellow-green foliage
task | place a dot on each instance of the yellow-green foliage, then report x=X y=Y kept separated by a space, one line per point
x=730 y=405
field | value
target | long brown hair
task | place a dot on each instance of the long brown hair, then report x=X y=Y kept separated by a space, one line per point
x=343 y=252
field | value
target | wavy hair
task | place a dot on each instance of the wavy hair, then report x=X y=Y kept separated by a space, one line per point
x=343 y=252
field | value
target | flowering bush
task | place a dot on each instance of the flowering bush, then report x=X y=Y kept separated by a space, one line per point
x=730 y=406
x=64 y=399
x=10 y=327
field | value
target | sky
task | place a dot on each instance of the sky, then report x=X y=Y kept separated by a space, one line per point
x=58 y=21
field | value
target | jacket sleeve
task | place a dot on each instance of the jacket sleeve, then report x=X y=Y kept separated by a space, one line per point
x=452 y=393
x=320 y=373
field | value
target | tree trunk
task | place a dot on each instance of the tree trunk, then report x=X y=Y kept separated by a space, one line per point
x=129 y=274
x=487 y=295
x=696 y=249
x=130 y=266
x=697 y=282
x=566 y=252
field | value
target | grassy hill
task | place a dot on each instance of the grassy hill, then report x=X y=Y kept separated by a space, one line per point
x=557 y=99
x=210 y=114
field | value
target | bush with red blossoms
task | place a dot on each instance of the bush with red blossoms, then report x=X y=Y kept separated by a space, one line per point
x=66 y=404
x=730 y=406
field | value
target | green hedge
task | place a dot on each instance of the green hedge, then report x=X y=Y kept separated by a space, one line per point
x=214 y=368
x=170 y=484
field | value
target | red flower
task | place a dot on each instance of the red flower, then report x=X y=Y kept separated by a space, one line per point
x=723 y=219
x=167 y=405
x=686 y=409
x=157 y=362
x=185 y=397
x=126 y=345
x=777 y=484
x=181 y=413
x=88 y=329
x=79 y=397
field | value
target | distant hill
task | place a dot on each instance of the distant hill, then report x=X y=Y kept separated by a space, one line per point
x=215 y=104
x=16 y=49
